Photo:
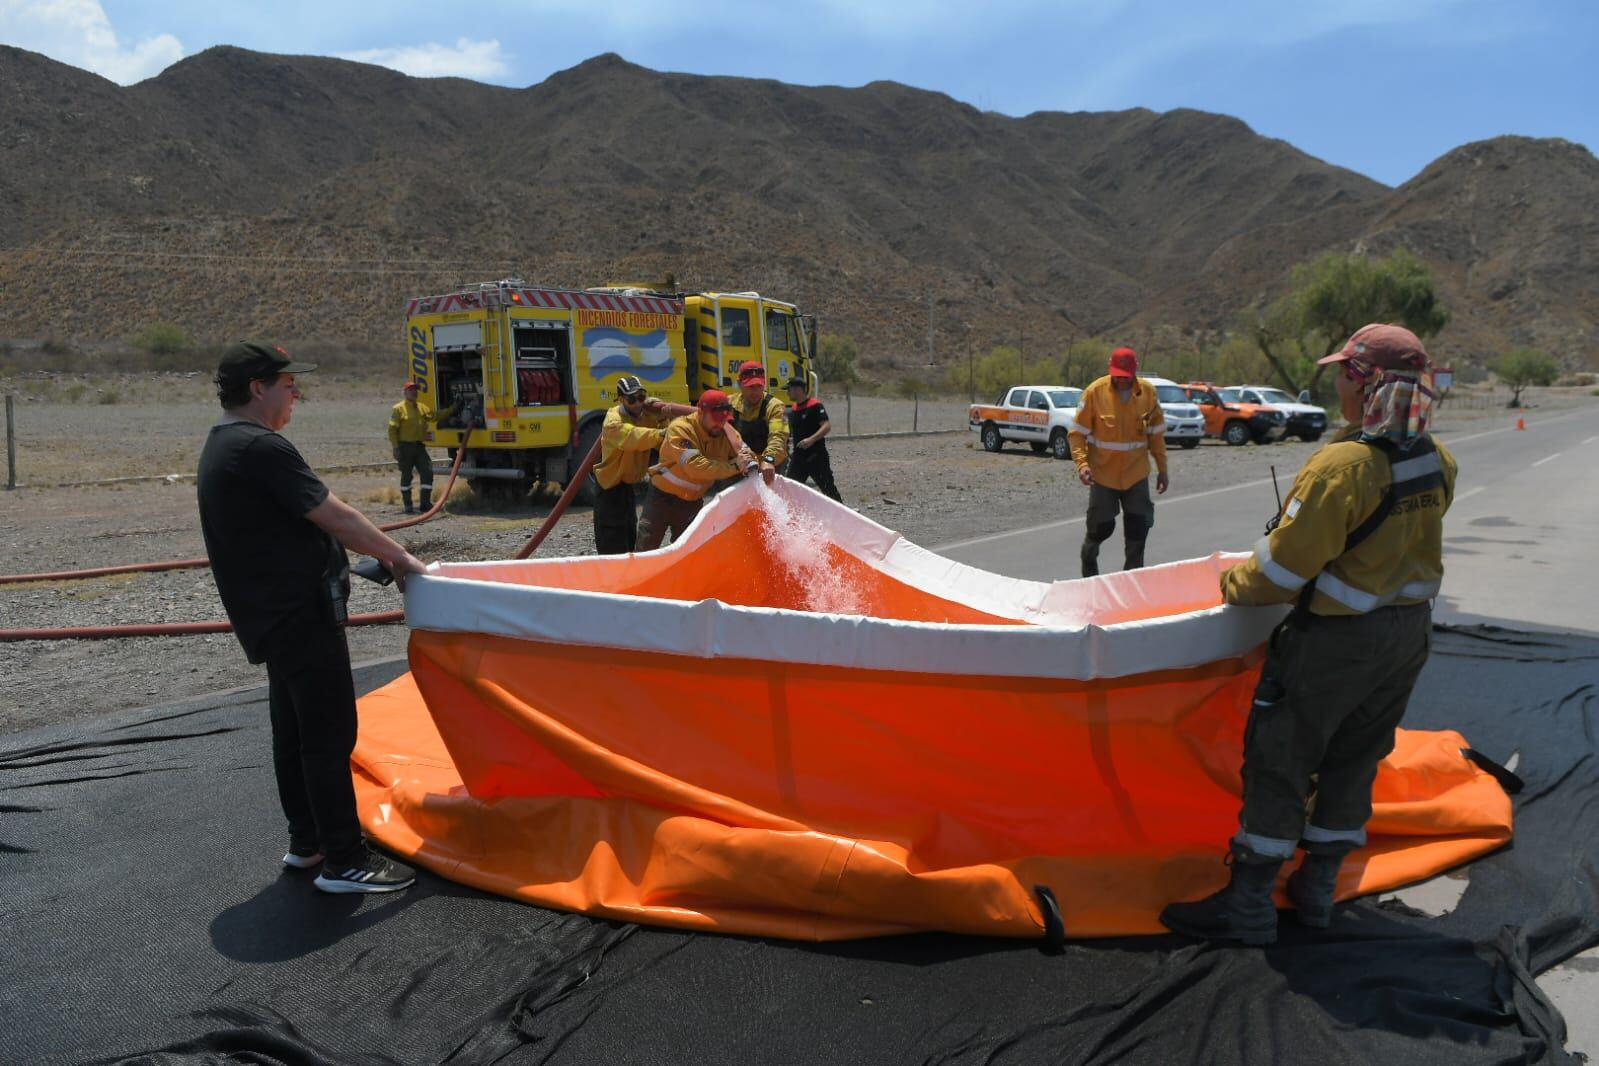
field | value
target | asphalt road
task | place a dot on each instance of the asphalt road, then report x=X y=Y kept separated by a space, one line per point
x=1521 y=545
x=1519 y=540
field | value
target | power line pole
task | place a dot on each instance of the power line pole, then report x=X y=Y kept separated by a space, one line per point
x=929 y=327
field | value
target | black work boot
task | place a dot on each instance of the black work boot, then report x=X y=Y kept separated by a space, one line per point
x=405 y=494
x=427 y=497
x=1134 y=559
x=1312 y=886
x=1241 y=911
x=1090 y=557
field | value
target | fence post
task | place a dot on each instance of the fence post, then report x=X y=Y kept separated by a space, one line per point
x=847 y=405
x=11 y=446
x=916 y=408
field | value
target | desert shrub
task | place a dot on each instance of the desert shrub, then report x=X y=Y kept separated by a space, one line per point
x=162 y=338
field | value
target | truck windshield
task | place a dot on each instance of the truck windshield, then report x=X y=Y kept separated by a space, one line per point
x=1170 y=394
x=1228 y=395
x=1064 y=397
x=1275 y=396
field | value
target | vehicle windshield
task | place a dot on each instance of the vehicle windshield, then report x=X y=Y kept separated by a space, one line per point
x=1064 y=397
x=1228 y=395
x=1171 y=394
x=1275 y=396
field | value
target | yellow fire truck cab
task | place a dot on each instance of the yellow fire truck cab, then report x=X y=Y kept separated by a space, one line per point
x=535 y=369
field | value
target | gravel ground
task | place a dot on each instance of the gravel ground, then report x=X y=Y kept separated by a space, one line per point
x=934 y=488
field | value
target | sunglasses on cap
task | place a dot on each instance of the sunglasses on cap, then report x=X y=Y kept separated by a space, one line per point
x=635 y=397
x=721 y=408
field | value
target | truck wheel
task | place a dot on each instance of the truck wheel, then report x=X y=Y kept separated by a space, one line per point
x=1038 y=446
x=1189 y=442
x=1310 y=438
x=992 y=441
x=1236 y=433
x=1059 y=446
x=589 y=491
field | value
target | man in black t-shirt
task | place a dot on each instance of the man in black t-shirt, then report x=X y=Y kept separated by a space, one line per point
x=276 y=538
x=808 y=429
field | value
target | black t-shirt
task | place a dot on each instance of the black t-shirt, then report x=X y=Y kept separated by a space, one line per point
x=269 y=560
x=804 y=419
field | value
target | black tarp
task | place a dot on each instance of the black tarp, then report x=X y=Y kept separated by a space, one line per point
x=144 y=920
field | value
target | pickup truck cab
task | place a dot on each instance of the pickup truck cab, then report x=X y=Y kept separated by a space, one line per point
x=1185 y=425
x=1305 y=421
x=1039 y=415
x=1235 y=421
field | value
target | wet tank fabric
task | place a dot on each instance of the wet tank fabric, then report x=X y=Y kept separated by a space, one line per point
x=795 y=723
x=145 y=922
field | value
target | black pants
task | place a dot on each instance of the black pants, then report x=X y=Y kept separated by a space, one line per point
x=616 y=519
x=1138 y=515
x=664 y=512
x=312 y=701
x=413 y=456
x=813 y=464
x=1330 y=696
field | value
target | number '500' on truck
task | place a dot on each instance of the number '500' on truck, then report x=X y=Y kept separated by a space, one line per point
x=535 y=369
x=1037 y=415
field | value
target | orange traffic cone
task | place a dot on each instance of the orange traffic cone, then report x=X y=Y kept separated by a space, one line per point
x=1521 y=423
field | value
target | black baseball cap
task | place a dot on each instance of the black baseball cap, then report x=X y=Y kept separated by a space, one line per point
x=254 y=360
x=798 y=382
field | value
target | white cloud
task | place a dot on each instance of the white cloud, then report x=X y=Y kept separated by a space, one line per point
x=78 y=32
x=465 y=59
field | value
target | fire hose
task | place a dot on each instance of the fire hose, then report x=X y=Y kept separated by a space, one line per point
x=195 y=564
x=171 y=629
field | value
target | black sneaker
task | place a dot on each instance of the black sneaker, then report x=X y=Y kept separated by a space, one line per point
x=373 y=873
x=301 y=857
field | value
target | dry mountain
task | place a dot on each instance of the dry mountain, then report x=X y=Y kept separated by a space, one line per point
x=307 y=197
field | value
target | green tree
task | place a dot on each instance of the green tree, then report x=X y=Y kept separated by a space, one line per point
x=1331 y=297
x=162 y=338
x=835 y=360
x=1524 y=367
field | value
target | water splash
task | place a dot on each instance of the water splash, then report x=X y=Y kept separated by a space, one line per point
x=798 y=541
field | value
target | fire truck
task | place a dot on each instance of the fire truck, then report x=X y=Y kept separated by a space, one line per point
x=533 y=370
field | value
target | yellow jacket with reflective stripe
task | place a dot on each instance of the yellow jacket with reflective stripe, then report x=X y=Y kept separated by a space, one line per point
x=625 y=446
x=692 y=460
x=774 y=413
x=408 y=421
x=1115 y=439
x=1338 y=489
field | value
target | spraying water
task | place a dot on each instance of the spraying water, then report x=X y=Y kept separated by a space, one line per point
x=798 y=541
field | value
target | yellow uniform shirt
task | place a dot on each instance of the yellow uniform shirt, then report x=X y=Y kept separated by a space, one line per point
x=770 y=410
x=625 y=446
x=1338 y=489
x=408 y=421
x=1115 y=439
x=692 y=460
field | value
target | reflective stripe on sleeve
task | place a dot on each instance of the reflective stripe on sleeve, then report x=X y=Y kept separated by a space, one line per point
x=683 y=483
x=1152 y=430
x=1275 y=572
x=1421 y=465
x=686 y=454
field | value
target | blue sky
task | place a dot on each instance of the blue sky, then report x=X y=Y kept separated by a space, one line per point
x=1380 y=86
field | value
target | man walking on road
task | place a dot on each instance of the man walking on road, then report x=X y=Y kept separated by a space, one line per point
x=408 y=427
x=1119 y=425
x=276 y=538
x=634 y=428
x=1358 y=549
x=808 y=429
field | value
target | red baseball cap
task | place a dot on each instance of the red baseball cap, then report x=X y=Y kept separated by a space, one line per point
x=751 y=371
x=1384 y=346
x=408 y=385
x=714 y=399
x=1124 y=363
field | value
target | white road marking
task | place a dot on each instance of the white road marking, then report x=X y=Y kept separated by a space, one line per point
x=990 y=538
x=1546 y=458
x=1473 y=492
x=1590 y=440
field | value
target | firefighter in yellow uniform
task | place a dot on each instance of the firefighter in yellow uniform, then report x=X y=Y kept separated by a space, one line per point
x=761 y=420
x=697 y=451
x=408 y=427
x=632 y=429
x=1119 y=425
x=1358 y=548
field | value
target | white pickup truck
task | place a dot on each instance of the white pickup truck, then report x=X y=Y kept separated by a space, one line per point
x=1039 y=415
